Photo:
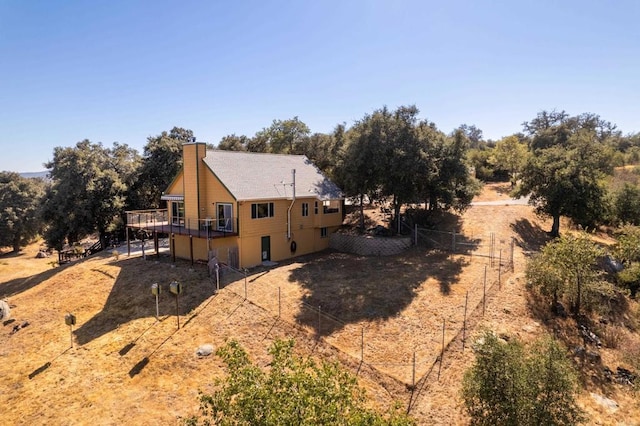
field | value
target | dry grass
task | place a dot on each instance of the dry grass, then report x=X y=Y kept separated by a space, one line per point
x=127 y=368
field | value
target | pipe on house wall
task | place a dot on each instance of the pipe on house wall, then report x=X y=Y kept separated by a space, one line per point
x=293 y=174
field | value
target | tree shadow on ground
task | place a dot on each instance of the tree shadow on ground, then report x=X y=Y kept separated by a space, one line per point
x=349 y=288
x=504 y=188
x=130 y=297
x=22 y=284
x=530 y=237
x=437 y=220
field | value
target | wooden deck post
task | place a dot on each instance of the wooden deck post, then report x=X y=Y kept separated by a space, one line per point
x=191 y=247
x=156 y=243
x=173 y=247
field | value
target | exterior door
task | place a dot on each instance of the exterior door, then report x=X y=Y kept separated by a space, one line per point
x=266 y=248
x=225 y=219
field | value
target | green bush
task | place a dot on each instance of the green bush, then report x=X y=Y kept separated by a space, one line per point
x=508 y=385
x=292 y=391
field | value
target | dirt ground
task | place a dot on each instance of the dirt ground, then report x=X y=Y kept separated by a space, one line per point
x=385 y=318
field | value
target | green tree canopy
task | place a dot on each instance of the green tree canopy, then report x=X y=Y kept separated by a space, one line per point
x=452 y=185
x=626 y=205
x=566 y=267
x=233 y=143
x=292 y=391
x=510 y=154
x=161 y=162
x=508 y=385
x=565 y=177
x=393 y=155
x=20 y=200
x=88 y=191
x=285 y=136
x=473 y=134
x=627 y=247
x=361 y=165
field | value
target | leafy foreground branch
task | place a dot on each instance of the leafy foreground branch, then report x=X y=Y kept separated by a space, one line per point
x=292 y=391
x=509 y=385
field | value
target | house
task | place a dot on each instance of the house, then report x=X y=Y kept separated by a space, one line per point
x=245 y=208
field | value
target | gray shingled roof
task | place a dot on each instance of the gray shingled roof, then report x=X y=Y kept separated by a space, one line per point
x=257 y=176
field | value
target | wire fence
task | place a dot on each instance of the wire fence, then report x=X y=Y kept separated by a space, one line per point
x=409 y=350
x=496 y=250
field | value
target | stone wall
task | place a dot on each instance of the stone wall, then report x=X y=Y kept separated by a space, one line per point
x=368 y=245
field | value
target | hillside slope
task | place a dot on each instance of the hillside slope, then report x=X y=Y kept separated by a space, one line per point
x=119 y=365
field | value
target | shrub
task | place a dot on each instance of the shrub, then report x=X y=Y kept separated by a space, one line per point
x=293 y=391
x=510 y=386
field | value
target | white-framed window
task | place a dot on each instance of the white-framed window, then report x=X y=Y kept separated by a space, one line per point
x=305 y=209
x=324 y=232
x=177 y=213
x=224 y=217
x=260 y=210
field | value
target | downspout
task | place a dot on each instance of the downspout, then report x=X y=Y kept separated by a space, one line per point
x=293 y=200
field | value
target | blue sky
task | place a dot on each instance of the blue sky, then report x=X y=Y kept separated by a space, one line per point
x=121 y=71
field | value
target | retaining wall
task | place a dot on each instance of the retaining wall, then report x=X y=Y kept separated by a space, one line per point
x=368 y=245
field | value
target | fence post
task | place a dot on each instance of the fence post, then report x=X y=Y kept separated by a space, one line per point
x=464 y=321
x=493 y=247
x=217 y=277
x=484 y=289
x=499 y=270
x=413 y=376
x=513 y=243
x=442 y=350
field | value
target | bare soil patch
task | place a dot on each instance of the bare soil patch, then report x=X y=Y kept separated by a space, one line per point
x=375 y=315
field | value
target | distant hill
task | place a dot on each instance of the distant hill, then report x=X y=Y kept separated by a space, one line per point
x=44 y=174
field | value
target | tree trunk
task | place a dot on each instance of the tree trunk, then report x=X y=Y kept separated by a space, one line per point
x=103 y=240
x=16 y=244
x=555 y=228
x=432 y=202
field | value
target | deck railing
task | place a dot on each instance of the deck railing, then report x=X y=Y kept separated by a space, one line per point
x=159 y=221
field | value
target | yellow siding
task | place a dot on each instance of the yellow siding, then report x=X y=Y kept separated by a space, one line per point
x=322 y=243
x=177 y=186
x=213 y=192
x=305 y=231
x=193 y=169
x=181 y=245
x=203 y=191
x=222 y=247
x=200 y=250
x=266 y=225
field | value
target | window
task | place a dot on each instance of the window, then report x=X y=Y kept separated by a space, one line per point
x=315 y=208
x=260 y=210
x=225 y=212
x=305 y=209
x=177 y=213
x=324 y=233
x=330 y=207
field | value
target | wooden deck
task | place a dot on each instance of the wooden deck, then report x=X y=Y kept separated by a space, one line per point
x=157 y=221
